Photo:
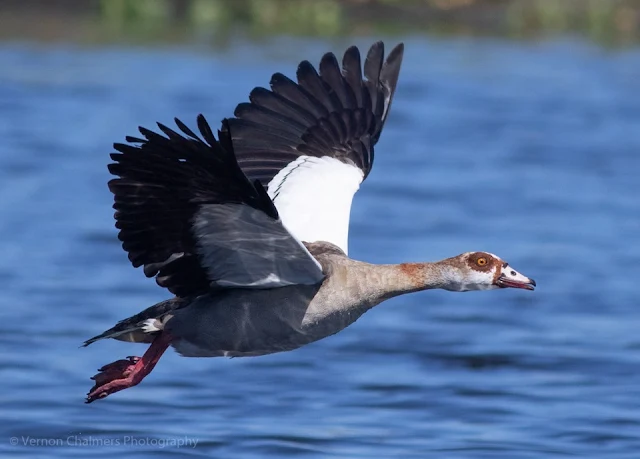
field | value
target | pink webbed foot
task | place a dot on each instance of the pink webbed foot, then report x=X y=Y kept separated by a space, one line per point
x=128 y=372
x=113 y=377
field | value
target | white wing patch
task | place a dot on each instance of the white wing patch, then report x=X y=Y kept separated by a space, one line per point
x=313 y=197
x=243 y=247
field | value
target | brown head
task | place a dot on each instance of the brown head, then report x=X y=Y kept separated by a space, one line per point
x=482 y=271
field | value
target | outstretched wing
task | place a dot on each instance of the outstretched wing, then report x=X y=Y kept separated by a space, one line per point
x=310 y=143
x=189 y=215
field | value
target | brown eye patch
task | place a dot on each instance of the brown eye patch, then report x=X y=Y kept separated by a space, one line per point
x=481 y=261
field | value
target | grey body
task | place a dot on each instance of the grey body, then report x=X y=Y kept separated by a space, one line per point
x=250 y=322
x=245 y=322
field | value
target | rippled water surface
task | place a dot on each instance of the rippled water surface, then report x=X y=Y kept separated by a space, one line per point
x=527 y=150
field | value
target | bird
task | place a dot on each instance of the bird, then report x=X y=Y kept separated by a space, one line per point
x=249 y=231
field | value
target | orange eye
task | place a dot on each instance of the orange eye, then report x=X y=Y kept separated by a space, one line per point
x=481 y=261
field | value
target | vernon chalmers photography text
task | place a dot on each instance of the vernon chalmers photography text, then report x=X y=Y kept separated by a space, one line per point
x=93 y=441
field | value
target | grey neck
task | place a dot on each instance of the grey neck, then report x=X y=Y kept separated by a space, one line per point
x=388 y=281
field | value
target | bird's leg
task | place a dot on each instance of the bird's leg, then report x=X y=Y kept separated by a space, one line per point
x=128 y=372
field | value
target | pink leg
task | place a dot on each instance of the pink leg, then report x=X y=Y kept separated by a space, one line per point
x=122 y=374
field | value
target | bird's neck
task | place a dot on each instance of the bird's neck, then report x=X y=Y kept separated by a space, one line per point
x=394 y=280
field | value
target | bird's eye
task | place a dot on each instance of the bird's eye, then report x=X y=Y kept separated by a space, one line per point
x=481 y=261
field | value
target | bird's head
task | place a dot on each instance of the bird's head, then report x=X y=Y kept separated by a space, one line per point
x=484 y=271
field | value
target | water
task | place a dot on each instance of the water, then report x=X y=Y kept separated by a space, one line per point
x=527 y=150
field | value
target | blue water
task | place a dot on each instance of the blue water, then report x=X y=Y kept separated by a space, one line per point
x=527 y=150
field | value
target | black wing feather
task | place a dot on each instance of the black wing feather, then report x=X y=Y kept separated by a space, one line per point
x=335 y=112
x=309 y=79
x=352 y=71
x=161 y=184
x=331 y=74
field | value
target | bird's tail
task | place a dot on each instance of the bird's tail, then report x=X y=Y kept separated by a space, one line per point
x=144 y=326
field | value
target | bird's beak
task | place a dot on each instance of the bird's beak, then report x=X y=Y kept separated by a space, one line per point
x=509 y=277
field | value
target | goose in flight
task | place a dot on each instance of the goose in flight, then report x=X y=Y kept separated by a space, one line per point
x=249 y=231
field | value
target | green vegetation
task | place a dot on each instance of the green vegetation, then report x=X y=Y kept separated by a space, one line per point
x=605 y=21
x=609 y=22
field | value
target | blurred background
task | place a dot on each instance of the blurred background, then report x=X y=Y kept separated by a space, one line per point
x=514 y=130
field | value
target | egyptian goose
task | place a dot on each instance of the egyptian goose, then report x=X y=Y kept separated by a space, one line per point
x=249 y=231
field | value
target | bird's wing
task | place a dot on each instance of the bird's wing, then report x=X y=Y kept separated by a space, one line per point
x=310 y=143
x=189 y=215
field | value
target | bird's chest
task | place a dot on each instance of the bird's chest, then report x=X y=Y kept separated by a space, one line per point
x=332 y=310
